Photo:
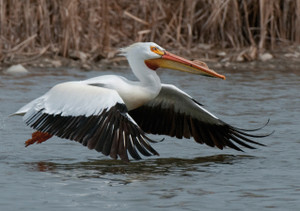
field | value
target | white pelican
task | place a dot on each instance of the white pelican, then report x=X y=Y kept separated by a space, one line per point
x=112 y=114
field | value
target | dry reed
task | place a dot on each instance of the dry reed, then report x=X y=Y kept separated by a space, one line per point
x=98 y=27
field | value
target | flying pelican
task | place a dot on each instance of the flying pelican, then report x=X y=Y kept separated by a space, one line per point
x=112 y=114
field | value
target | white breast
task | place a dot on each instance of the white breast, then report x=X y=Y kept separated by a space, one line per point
x=134 y=94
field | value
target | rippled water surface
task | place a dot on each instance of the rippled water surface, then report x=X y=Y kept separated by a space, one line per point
x=62 y=175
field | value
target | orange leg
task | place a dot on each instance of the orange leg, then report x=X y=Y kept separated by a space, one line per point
x=37 y=137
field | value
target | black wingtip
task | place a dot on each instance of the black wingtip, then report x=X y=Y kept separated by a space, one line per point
x=244 y=137
x=153 y=141
x=255 y=129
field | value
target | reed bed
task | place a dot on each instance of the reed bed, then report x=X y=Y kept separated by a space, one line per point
x=99 y=27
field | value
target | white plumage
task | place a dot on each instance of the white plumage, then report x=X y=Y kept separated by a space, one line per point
x=111 y=114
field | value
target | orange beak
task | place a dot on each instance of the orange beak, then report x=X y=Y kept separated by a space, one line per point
x=171 y=61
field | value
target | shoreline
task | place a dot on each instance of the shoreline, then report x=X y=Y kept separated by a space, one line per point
x=284 y=58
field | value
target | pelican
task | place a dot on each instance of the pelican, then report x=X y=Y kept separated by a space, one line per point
x=114 y=115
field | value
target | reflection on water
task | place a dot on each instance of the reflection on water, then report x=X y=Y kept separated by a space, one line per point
x=160 y=166
x=116 y=172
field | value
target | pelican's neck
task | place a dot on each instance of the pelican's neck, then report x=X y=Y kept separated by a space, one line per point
x=147 y=77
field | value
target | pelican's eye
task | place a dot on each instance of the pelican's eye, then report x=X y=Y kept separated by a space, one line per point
x=156 y=50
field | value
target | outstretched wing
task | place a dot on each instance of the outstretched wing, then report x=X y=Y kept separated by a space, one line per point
x=94 y=116
x=175 y=113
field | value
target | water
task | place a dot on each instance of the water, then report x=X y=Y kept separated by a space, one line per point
x=62 y=175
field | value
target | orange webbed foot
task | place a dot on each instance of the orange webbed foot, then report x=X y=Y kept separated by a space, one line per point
x=37 y=137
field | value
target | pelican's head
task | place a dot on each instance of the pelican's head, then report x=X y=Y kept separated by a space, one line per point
x=143 y=50
x=155 y=57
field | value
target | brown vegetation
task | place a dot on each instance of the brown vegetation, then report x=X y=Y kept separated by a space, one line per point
x=99 y=27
